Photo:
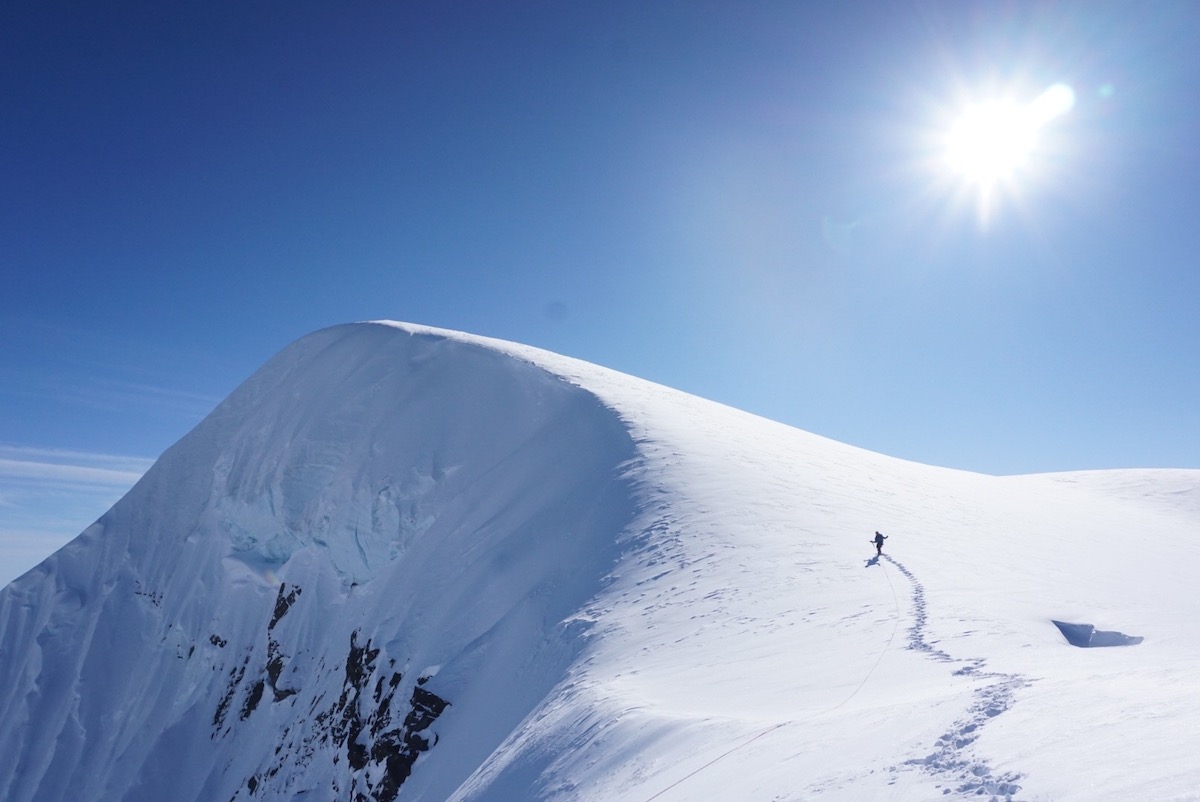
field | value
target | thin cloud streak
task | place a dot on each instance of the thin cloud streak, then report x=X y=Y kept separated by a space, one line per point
x=73 y=474
x=25 y=464
x=114 y=395
x=48 y=496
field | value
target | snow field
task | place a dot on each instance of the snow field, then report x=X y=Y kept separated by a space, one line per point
x=622 y=592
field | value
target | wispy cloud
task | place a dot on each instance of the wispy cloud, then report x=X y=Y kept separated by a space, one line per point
x=90 y=369
x=48 y=496
x=115 y=395
x=112 y=394
x=72 y=474
x=69 y=467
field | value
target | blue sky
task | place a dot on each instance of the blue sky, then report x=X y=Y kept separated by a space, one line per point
x=748 y=201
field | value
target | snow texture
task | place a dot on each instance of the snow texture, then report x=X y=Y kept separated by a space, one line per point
x=406 y=563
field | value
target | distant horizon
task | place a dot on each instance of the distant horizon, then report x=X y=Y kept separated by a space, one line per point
x=78 y=487
x=954 y=233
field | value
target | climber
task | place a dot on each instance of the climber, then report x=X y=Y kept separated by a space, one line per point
x=878 y=541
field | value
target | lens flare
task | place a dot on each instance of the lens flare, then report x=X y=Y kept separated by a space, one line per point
x=1054 y=102
x=996 y=149
x=992 y=140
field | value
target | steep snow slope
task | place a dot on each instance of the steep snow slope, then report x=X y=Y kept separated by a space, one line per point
x=369 y=506
x=521 y=576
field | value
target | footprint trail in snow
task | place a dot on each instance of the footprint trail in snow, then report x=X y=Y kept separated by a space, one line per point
x=953 y=757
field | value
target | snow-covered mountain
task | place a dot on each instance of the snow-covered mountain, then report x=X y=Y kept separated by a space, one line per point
x=408 y=563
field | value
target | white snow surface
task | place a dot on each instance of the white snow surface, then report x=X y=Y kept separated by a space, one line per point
x=623 y=592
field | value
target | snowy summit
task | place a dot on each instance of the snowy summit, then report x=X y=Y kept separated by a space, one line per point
x=406 y=563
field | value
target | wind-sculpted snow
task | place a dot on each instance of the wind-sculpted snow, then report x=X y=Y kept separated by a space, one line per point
x=375 y=529
x=411 y=564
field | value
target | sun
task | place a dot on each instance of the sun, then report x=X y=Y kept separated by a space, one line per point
x=990 y=141
x=994 y=142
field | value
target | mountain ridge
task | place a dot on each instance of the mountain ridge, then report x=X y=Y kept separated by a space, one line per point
x=402 y=562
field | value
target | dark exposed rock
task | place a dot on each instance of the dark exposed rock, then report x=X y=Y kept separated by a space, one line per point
x=283 y=603
x=235 y=679
x=378 y=735
x=275 y=664
x=252 y=700
x=399 y=749
x=364 y=725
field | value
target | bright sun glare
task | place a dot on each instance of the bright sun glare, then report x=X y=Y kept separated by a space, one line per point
x=993 y=141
